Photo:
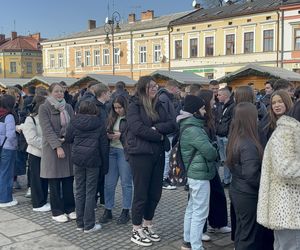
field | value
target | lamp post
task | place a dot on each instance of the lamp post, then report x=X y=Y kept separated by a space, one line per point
x=111 y=27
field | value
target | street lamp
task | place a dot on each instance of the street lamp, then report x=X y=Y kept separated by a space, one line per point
x=111 y=27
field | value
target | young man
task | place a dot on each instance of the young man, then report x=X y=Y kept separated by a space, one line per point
x=269 y=90
x=222 y=129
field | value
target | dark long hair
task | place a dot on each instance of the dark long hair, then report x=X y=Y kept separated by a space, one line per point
x=207 y=95
x=8 y=102
x=113 y=115
x=141 y=91
x=288 y=105
x=244 y=94
x=243 y=125
x=36 y=103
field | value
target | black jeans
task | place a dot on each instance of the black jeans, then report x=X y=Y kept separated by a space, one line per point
x=248 y=233
x=147 y=173
x=39 y=186
x=86 y=188
x=100 y=188
x=61 y=195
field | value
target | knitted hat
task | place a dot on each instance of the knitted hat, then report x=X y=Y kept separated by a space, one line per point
x=193 y=103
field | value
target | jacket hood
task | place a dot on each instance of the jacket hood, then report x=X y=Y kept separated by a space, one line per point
x=183 y=115
x=288 y=122
x=192 y=121
x=166 y=92
x=86 y=122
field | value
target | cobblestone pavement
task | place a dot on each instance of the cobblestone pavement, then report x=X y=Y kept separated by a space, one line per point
x=22 y=229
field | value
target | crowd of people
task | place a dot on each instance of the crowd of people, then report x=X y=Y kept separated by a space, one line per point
x=76 y=148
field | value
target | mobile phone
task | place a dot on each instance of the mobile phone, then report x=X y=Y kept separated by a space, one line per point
x=110 y=132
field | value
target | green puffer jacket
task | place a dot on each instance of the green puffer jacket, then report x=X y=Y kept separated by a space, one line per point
x=203 y=166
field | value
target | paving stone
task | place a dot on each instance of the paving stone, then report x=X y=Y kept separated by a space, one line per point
x=51 y=242
x=4 y=240
x=31 y=235
x=6 y=216
x=17 y=227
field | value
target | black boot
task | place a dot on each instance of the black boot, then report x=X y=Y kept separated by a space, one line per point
x=124 y=217
x=106 y=217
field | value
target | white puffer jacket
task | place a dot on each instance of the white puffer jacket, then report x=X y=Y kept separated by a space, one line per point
x=279 y=194
x=33 y=135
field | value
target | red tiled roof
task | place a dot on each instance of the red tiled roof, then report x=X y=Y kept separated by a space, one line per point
x=21 y=43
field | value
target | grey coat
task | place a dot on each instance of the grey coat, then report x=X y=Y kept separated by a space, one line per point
x=51 y=165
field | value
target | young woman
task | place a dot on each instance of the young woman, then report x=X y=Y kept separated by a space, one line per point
x=118 y=166
x=244 y=155
x=217 y=218
x=199 y=157
x=148 y=125
x=280 y=103
x=8 y=142
x=56 y=166
x=89 y=154
x=279 y=191
x=33 y=135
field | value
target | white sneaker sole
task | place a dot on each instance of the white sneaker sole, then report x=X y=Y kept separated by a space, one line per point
x=144 y=244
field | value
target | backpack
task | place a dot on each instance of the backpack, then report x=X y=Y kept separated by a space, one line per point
x=177 y=172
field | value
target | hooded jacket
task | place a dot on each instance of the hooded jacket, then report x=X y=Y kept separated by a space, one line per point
x=224 y=122
x=279 y=191
x=202 y=166
x=90 y=144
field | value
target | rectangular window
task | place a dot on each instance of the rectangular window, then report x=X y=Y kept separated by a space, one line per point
x=106 y=56
x=178 y=49
x=209 y=75
x=13 y=67
x=29 y=67
x=248 y=42
x=143 y=54
x=230 y=42
x=209 y=46
x=39 y=68
x=78 y=58
x=297 y=39
x=60 y=60
x=87 y=55
x=117 y=56
x=52 y=61
x=96 y=57
x=193 y=47
x=268 y=40
x=157 y=53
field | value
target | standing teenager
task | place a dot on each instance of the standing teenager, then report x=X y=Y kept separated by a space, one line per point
x=146 y=145
x=56 y=166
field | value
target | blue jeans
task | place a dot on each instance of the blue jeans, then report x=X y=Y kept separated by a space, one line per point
x=118 y=166
x=287 y=239
x=222 y=143
x=196 y=212
x=7 y=162
x=167 y=156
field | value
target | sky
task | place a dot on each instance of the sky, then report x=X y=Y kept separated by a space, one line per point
x=55 y=18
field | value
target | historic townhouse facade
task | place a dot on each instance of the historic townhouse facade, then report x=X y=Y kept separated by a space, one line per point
x=215 y=42
x=20 y=56
x=140 y=47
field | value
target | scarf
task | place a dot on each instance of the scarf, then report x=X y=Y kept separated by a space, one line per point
x=64 y=115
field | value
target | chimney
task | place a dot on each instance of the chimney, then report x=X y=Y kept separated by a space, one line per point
x=147 y=15
x=2 y=37
x=198 y=6
x=36 y=36
x=91 y=24
x=131 y=18
x=13 y=35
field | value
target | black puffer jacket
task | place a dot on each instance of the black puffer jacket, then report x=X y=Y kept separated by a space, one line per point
x=140 y=137
x=247 y=168
x=225 y=119
x=90 y=144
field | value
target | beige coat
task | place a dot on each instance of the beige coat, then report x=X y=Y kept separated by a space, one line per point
x=279 y=193
x=51 y=165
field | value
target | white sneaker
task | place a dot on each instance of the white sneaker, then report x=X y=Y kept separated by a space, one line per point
x=72 y=216
x=9 y=204
x=139 y=238
x=60 y=218
x=222 y=230
x=28 y=193
x=205 y=237
x=96 y=228
x=45 y=208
